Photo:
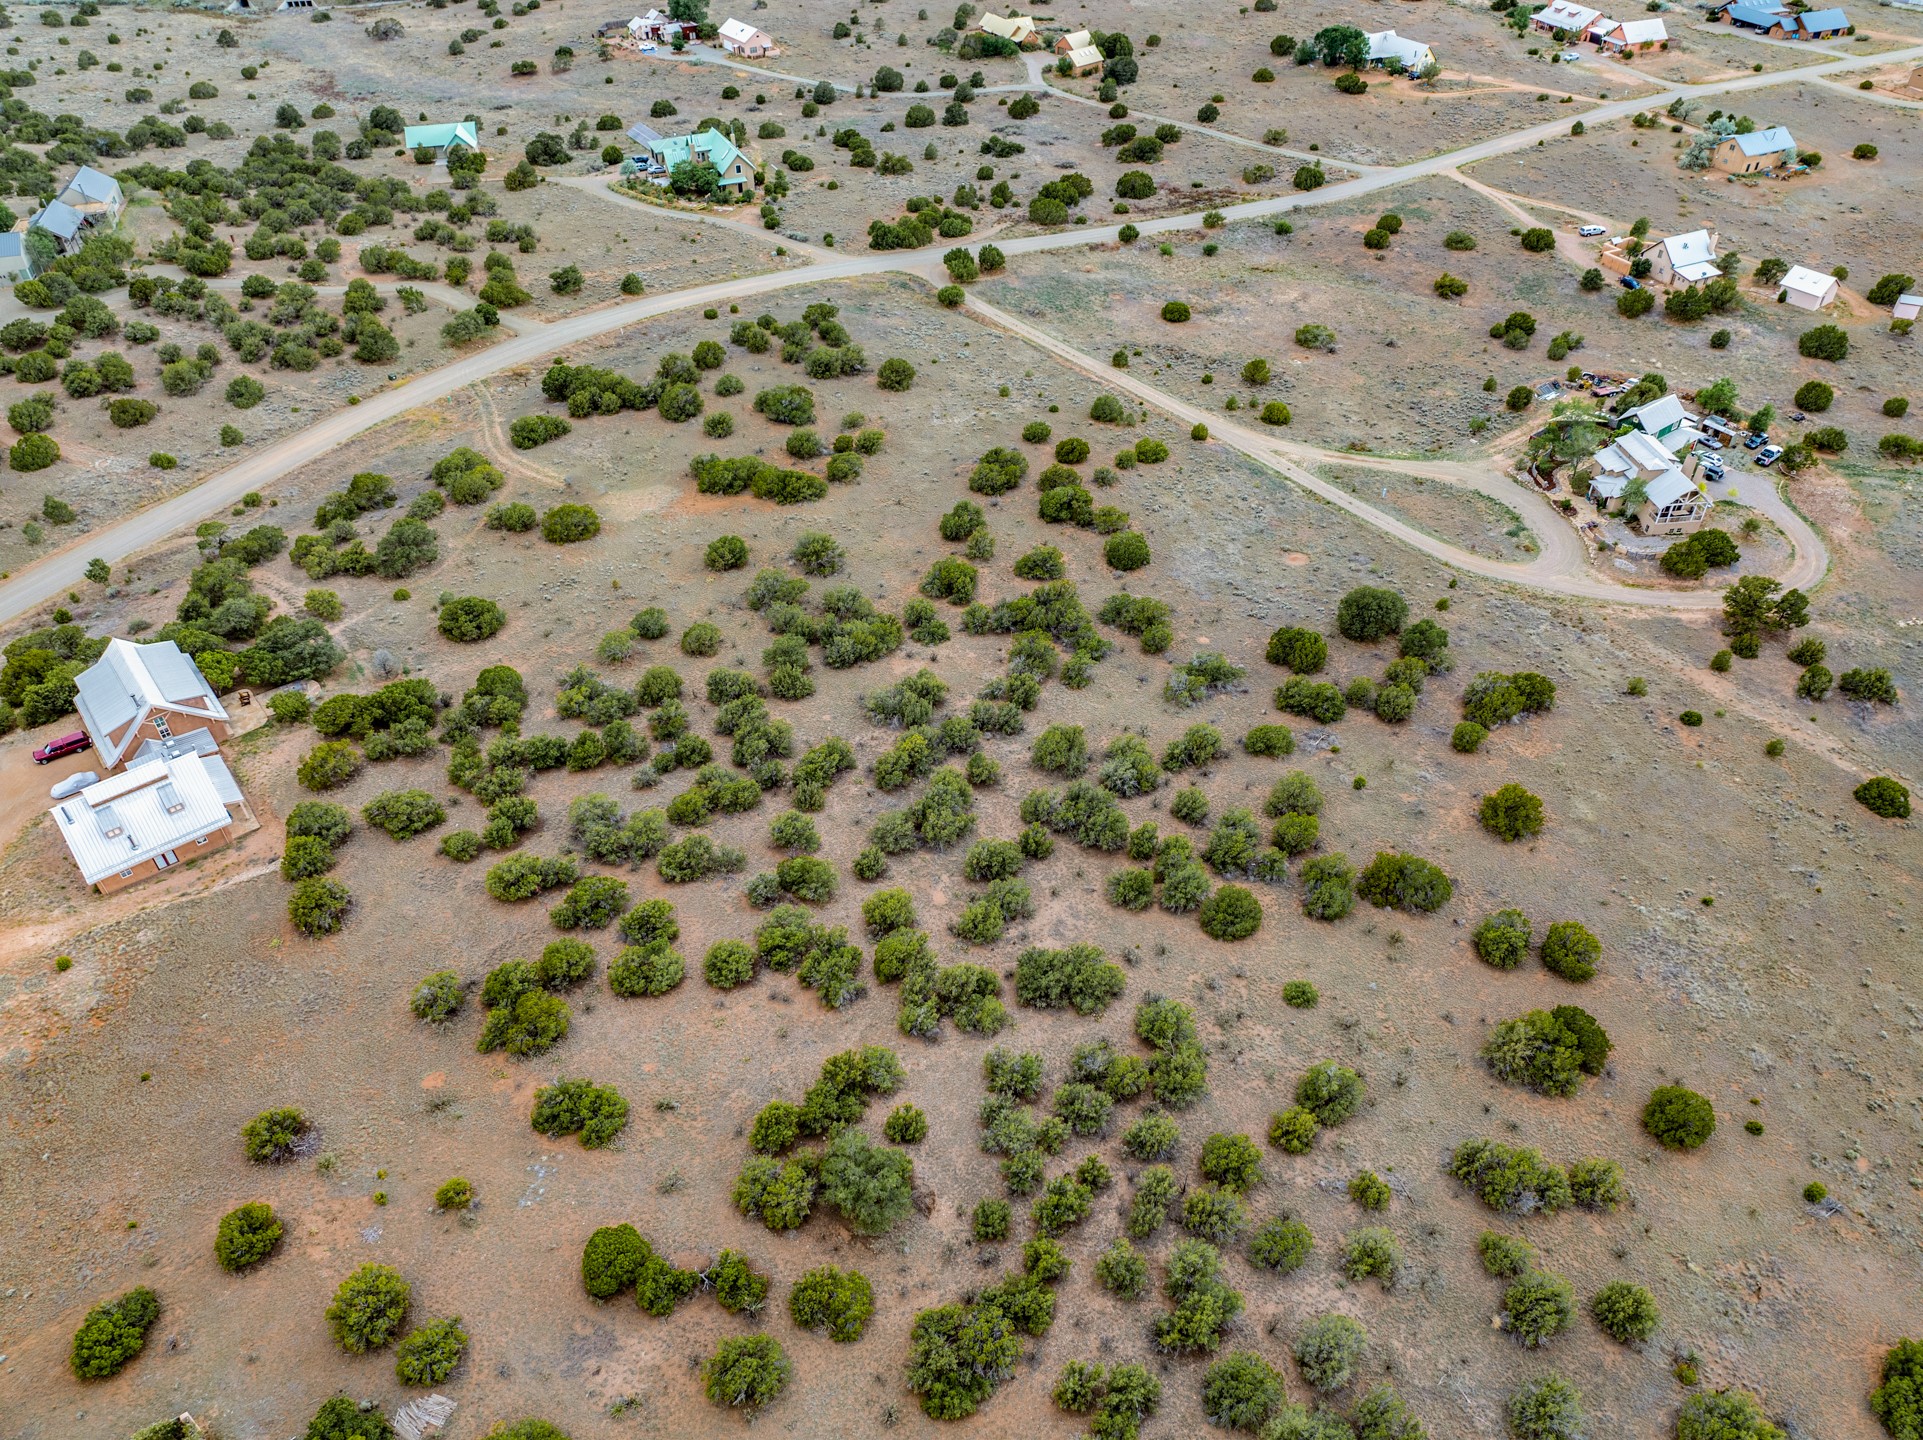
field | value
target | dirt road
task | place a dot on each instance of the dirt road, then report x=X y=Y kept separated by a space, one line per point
x=62 y=570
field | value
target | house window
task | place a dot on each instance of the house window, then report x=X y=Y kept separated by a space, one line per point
x=160 y=728
x=201 y=841
x=126 y=874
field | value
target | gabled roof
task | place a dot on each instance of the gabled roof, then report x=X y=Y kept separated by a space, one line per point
x=1761 y=16
x=1387 y=45
x=1645 y=452
x=1012 y=27
x=116 y=823
x=1567 y=15
x=1669 y=487
x=1639 y=32
x=13 y=245
x=60 y=218
x=1692 y=255
x=1085 y=55
x=710 y=145
x=1807 y=281
x=129 y=682
x=1076 y=39
x=94 y=186
x=738 y=30
x=438 y=137
x=644 y=135
x=1659 y=414
x=1811 y=21
x=1772 y=141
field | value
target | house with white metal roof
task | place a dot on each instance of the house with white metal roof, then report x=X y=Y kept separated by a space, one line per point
x=1687 y=259
x=131 y=826
x=1660 y=417
x=1626 y=36
x=738 y=37
x=1808 y=289
x=1386 y=45
x=1087 y=60
x=1756 y=153
x=1074 y=40
x=1566 y=16
x=139 y=692
x=1672 y=505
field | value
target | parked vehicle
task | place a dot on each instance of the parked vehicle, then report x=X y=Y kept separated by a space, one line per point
x=1755 y=442
x=1710 y=442
x=1589 y=230
x=1570 y=57
x=1797 y=417
x=1630 y=282
x=1769 y=455
x=73 y=784
x=1713 y=469
x=66 y=745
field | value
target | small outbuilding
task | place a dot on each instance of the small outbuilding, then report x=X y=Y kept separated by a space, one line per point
x=1808 y=289
x=15 y=263
x=1907 y=307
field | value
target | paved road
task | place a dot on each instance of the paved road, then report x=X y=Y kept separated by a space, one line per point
x=54 y=574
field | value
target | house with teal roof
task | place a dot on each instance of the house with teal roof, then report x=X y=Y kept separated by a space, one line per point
x=442 y=138
x=712 y=147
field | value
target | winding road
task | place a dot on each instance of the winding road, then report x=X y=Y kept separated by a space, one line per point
x=1560 y=566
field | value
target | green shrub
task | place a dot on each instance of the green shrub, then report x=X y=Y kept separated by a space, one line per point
x=598 y=1113
x=1467 y=737
x=746 y=1372
x=429 y=1355
x=273 y=1136
x=246 y=1236
x=1898 y=1400
x=1231 y=913
x=1510 y=1178
x=1538 y=1306
x=1884 y=796
x=1372 y=1253
x=469 y=618
x=1300 y=995
x=1330 y=1091
x=1511 y=813
x=1502 y=940
x=1367 y=613
x=113 y=1334
x=905 y=1125
x=1370 y=1190
x=369 y=1308
x=737 y=1287
x=1625 y=1312
x=837 y=1301
x=1679 y=1118
x=1241 y=1390
x=454 y=1194
x=1231 y=1161
x=1569 y=950
x=1329 y=1349
x=1546 y=1407
x=1505 y=1256
x=1724 y=1415
x=1404 y=882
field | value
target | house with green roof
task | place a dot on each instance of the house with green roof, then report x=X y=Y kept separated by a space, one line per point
x=442 y=138
x=712 y=147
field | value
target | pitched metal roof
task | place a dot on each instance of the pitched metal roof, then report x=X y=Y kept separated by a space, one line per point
x=437 y=137
x=1807 y=281
x=1669 y=487
x=1811 y=21
x=644 y=135
x=1765 y=142
x=738 y=30
x=1084 y=55
x=1566 y=15
x=130 y=681
x=60 y=218
x=1759 y=16
x=1386 y=44
x=1639 y=32
x=125 y=819
x=1658 y=414
x=93 y=185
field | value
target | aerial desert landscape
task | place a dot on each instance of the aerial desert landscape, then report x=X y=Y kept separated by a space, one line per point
x=1130 y=721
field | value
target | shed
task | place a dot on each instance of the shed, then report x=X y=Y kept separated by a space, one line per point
x=1808 y=289
x=1907 y=307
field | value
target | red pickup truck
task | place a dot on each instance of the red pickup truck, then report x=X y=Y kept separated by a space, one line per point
x=66 y=745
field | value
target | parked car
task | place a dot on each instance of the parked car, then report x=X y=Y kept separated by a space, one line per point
x=73 y=784
x=66 y=745
x=1630 y=282
x=1797 y=417
x=1755 y=442
x=1569 y=57
x=1589 y=230
x=1769 y=454
x=1713 y=469
x=1710 y=442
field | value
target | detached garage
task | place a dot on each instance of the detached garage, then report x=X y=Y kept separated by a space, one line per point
x=1808 y=289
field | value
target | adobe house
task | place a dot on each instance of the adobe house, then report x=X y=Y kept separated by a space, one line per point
x=131 y=826
x=1756 y=153
x=134 y=693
